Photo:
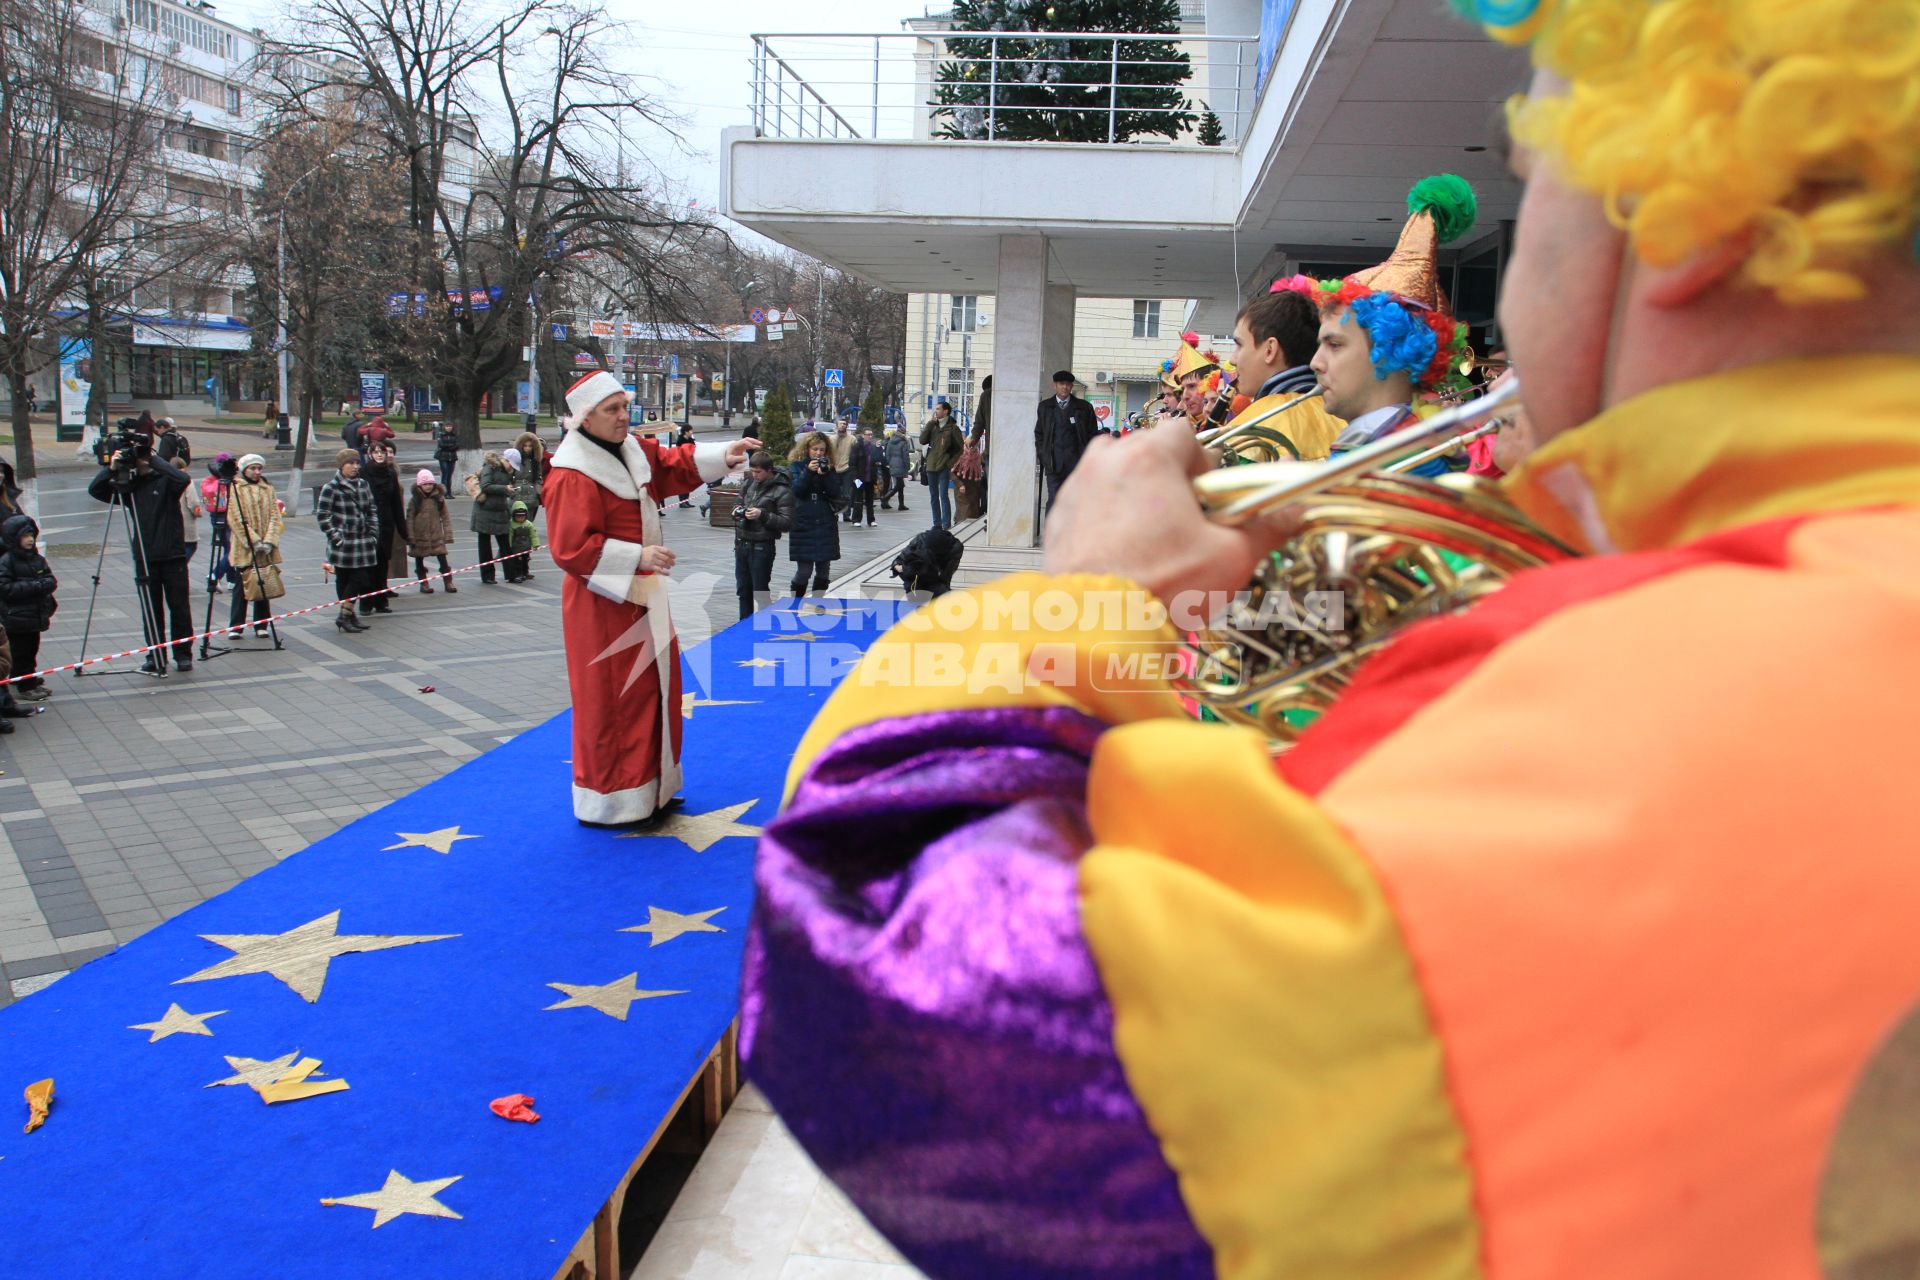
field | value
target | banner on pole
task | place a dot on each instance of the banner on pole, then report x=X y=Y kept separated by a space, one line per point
x=76 y=385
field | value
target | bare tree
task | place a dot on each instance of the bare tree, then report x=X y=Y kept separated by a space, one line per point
x=510 y=130
x=328 y=231
x=85 y=213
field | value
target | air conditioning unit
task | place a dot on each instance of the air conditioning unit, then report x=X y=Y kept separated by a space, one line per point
x=1103 y=377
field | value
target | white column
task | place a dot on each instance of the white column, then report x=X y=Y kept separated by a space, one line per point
x=1033 y=336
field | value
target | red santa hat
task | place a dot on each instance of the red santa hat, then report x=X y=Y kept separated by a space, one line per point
x=587 y=393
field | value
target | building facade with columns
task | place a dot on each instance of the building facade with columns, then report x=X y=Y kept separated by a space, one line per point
x=1118 y=344
x=1342 y=106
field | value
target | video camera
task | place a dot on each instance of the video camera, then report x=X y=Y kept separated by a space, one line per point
x=225 y=468
x=127 y=442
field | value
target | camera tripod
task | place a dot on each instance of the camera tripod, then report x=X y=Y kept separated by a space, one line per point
x=216 y=571
x=150 y=621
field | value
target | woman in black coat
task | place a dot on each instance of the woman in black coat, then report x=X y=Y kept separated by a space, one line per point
x=390 y=505
x=815 y=543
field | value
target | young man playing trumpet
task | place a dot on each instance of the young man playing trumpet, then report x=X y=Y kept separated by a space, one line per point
x=1577 y=940
x=1274 y=337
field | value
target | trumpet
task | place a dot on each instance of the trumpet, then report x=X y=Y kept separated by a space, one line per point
x=1376 y=552
x=1254 y=436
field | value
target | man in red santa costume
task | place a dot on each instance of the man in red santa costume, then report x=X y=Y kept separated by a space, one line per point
x=602 y=496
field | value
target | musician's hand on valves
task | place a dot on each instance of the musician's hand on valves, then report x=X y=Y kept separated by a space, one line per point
x=655 y=559
x=1129 y=510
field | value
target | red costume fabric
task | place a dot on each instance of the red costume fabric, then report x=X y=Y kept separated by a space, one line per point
x=623 y=663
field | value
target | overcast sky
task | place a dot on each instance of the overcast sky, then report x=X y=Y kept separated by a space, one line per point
x=693 y=58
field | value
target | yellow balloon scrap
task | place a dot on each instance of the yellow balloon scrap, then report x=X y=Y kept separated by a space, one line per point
x=39 y=1101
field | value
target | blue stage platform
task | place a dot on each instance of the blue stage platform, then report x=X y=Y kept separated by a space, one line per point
x=479 y=905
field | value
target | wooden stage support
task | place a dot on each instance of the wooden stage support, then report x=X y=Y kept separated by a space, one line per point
x=596 y=1256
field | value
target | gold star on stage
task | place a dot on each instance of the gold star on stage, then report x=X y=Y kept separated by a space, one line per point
x=611 y=998
x=701 y=831
x=758 y=662
x=280 y=1079
x=400 y=1195
x=688 y=701
x=299 y=957
x=255 y=1073
x=665 y=926
x=805 y=637
x=441 y=841
x=176 y=1022
x=438 y=841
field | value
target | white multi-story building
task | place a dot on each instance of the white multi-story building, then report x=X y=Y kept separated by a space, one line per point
x=175 y=334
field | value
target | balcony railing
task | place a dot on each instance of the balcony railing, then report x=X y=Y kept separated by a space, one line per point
x=889 y=86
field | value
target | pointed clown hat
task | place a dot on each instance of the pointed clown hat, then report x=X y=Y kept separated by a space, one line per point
x=1440 y=209
x=1188 y=360
x=1405 y=311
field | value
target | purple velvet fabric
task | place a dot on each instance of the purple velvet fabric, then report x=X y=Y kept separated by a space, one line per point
x=922 y=1010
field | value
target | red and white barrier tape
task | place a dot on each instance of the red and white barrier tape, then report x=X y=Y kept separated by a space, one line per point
x=231 y=629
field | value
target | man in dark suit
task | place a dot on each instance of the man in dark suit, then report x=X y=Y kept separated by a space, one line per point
x=1062 y=431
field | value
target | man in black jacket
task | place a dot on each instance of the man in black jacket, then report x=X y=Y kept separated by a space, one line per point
x=151 y=487
x=1064 y=428
x=765 y=511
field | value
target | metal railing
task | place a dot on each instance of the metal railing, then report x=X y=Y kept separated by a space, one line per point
x=816 y=85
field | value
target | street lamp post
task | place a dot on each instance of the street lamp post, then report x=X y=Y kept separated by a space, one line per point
x=280 y=343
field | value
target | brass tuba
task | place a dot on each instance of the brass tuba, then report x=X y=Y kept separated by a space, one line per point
x=1376 y=552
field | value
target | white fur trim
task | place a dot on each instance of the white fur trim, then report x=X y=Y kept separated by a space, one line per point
x=591 y=390
x=712 y=461
x=623 y=477
x=615 y=807
x=613 y=576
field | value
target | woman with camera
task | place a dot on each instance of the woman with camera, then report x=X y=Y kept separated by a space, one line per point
x=254 y=528
x=815 y=543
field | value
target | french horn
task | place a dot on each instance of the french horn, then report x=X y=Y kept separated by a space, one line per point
x=1376 y=552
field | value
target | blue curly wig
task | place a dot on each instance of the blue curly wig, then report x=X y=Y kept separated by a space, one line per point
x=1400 y=341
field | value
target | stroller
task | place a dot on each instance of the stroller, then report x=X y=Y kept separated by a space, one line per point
x=927 y=564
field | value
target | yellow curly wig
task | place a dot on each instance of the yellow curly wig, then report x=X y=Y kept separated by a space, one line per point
x=1796 y=122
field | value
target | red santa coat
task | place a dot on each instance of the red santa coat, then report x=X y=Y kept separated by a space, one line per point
x=623 y=662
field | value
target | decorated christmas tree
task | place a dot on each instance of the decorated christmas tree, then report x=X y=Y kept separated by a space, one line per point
x=872 y=412
x=1042 y=88
x=776 y=425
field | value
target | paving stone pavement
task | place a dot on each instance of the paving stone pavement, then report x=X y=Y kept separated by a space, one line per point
x=130 y=799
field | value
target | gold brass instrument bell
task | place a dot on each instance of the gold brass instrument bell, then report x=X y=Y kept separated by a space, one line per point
x=1376 y=552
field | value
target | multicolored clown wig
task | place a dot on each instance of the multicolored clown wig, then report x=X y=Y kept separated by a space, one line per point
x=1400 y=303
x=1795 y=123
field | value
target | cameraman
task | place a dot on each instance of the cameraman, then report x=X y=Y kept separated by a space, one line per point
x=151 y=488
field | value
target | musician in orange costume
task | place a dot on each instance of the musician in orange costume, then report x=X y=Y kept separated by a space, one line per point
x=1577 y=942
